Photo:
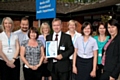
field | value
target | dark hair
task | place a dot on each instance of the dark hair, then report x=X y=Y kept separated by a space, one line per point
x=24 y=18
x=105 y=26
x=33 y=29
x=114 y=22
x=84 y=25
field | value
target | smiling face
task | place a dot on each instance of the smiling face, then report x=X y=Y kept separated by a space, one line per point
x=24 y=25
x=112 y=30
x=7 y=24
x=71 y=26
x=57 y=26
x=45 y=29
x=33 y=35
x=101 y=29
x=87 y=30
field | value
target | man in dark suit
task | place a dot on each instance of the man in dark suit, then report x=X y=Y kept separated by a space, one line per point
x=60 y=65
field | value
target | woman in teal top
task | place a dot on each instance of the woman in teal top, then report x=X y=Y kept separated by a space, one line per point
x=101 y=39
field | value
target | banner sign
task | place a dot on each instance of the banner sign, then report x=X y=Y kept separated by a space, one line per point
x=45 y=9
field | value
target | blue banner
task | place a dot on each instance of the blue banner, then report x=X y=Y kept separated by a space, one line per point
x=45 y=9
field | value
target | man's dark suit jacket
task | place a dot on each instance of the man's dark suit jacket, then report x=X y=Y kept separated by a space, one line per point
x=112 y=62
x=63 y=65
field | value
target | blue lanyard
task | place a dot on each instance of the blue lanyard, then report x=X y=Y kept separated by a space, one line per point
x=9 y=41
x=84 y=46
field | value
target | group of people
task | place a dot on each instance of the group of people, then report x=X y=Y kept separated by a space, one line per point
x=80 y=55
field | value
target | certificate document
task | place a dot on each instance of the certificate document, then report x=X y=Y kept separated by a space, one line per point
x=51 y=49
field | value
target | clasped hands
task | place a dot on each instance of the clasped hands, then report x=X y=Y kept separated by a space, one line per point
x=35 y=67
x=10 y=63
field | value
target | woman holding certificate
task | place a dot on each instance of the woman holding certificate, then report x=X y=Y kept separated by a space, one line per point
x=45 y=30
x=85 y=54
x=9 y=50
x=32 y=54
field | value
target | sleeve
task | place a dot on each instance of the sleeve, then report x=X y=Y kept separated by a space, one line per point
x=70 y=48
x=16 y=37
x=76 y=43
x=116 y=70
x=0 y=37
x=95 y=37
x=95 y=46
x=24 y=43
x=40 y=43
x=42 y=39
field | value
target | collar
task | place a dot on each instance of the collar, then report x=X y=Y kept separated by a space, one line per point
x=68 y=32
x=57 y=33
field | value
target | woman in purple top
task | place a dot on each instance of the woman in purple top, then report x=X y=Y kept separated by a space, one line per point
x=45 y=30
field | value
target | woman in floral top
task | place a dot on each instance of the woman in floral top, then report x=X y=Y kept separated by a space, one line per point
x=32 y=54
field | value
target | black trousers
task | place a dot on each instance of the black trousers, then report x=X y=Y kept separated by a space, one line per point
x=72 y=75
x=56 y=75
x=30 y=74
x=99 y=71
x=8 y=73
x=105 y=76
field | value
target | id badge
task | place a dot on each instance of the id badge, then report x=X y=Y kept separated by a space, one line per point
x=10 y=50
x=26 y=66
x=84 y=55
x=62 y=48
x=100 y=55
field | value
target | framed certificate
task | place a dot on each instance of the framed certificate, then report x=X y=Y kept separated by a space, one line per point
x=51 y=49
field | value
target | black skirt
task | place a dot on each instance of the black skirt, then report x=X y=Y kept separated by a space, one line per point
x=84 y=67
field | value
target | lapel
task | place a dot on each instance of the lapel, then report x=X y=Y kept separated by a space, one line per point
x=112 y=44
x=61 y=40
x=51 y=37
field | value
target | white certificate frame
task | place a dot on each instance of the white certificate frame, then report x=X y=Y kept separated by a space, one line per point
x=51 y=49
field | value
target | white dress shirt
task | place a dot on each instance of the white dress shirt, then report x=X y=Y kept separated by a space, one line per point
x=58 y=41
x=59 y=37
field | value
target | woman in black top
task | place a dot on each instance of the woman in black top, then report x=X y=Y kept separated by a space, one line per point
x=112 y=54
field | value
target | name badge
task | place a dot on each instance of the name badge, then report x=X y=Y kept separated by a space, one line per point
x=54 y=60
x=84 y=56
x=10 y=50
x=62 y=48
x=100 y=54
x=26 y=66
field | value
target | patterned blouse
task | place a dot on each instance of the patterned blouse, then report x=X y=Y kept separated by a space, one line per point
x=32 y=54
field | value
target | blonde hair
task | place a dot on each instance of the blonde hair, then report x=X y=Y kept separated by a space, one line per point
x=72 y=21
x=44 y=24
x=10 y=21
